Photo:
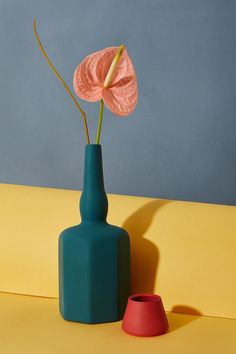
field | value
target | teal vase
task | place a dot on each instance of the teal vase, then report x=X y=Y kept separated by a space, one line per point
x=94 y=256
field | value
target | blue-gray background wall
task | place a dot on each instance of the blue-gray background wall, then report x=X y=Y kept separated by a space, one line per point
x=180 y=142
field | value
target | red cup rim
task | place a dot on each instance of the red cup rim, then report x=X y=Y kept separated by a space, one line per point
x=145 y=298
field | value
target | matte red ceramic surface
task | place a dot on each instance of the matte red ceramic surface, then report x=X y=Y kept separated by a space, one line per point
x=145 y=316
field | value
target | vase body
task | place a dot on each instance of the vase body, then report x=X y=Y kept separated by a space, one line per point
x=94 y=256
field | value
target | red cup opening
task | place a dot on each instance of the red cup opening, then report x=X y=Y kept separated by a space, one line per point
x=145 y=298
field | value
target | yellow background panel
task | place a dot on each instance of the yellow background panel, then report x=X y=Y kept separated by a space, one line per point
x=32 y=325
x=184 y=251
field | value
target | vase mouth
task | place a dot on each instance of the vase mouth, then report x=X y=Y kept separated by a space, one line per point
x=93 y=145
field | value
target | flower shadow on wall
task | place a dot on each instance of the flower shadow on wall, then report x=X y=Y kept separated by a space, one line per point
x=144 y=253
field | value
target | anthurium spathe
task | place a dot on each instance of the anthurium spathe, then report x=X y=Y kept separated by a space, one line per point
x=108 y=75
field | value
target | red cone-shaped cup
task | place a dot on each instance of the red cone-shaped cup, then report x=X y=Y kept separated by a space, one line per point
x=145 y=316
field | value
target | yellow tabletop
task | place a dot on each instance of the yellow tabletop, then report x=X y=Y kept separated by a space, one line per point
x=184 y=251
x=32 y=325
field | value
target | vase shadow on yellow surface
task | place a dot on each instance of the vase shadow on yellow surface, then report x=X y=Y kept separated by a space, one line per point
x=145 y=259
x=182 y=315
x=144 y=253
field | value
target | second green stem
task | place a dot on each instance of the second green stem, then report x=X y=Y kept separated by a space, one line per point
x=100 y=121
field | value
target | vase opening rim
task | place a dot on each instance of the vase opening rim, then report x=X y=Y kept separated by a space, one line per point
x=93 y=145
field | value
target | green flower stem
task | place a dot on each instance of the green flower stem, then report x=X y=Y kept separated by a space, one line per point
x=100 y=121
x=52 y=67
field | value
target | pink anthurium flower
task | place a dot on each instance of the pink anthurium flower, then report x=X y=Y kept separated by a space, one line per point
x=108 y=75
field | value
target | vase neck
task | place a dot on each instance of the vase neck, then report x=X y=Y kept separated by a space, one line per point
x=93 y=202
x=93 y=169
